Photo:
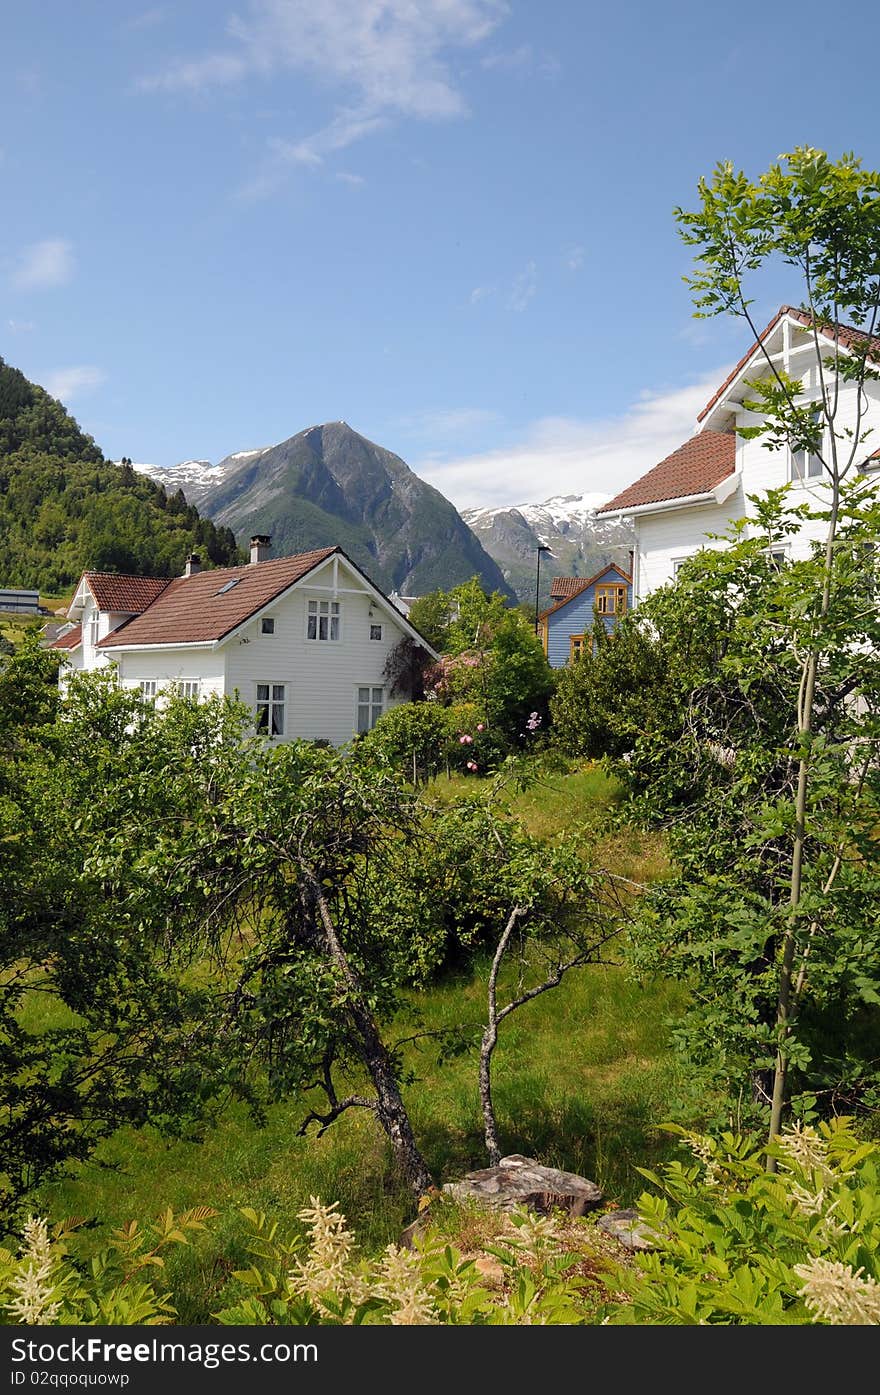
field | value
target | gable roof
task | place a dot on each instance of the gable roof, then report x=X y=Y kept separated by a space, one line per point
x=583 y=585
x=847 y=336
x=71 y=639
x=127 y=594
x=697 y=467
x=198 y=609
x=565 y=586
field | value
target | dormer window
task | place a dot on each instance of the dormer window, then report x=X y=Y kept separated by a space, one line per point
x=323 y=620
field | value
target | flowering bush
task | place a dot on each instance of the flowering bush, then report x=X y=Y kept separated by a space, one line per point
x=43 y=1283
x=739 y=1245
x=324 y=1282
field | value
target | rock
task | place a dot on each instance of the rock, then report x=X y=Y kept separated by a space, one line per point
x=490 y=1269
x=628 y=1229
x=520 y=1181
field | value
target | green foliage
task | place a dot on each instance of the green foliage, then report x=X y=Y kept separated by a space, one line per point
x=63 y=508
x=49 y=1282
x=736 y=1245
x=724 y=783
x=629 y=685
x=491 y=658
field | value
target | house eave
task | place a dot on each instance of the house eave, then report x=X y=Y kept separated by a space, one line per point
x=717 y=495
x=137 y=648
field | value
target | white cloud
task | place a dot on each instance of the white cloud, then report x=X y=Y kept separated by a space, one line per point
x=480 y=293
x=389 y=58
x=69 y=383
x=511 y=58
x=44 y=264
x=574 y=257
x=524 y=287
x=355 y=180
x=567 y=455
x=21 y=326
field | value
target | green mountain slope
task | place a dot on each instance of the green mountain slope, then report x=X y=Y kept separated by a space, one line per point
x=64 y=508
x=328 y=485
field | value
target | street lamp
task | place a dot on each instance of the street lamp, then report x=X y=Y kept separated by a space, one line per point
x=542 y=547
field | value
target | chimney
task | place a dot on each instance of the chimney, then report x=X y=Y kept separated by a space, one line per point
x=193 y=564
x=261 y=545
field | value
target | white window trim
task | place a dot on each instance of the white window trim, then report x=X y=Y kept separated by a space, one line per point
x=269 y=702
x=180 y=683
x=383 y=707
x=267 y=620
x=804 y=479
x=326 y=600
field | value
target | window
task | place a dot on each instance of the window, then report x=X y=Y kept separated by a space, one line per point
x=804 y=465
x=270 y=708
x=189 y=688
x=93 y=630
x=611 y=600
x=375 y=632
x=228 y=587
x=575 y=647
x=323 y=620
x=370 y=703
x=148 y=689
x=267 y=626
x=777 y=557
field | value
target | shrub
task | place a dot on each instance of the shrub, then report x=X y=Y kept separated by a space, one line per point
x=738 y=1245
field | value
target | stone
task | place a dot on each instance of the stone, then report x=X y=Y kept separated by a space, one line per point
x=521 y=1181
x=628 y=1229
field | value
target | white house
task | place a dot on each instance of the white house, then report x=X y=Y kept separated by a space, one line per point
x=704 y=485
x=302 y=640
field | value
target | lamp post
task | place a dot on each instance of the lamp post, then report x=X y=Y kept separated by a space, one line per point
x=542 y=547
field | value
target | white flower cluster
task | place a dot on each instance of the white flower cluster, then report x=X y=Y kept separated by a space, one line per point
x=32 y=1283
x=838 y=1294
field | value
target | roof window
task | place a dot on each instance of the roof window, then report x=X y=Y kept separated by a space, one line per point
x=228 y=587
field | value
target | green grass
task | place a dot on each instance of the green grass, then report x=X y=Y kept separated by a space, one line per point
x=582 y=1079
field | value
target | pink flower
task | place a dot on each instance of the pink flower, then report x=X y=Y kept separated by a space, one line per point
x=462 y=740
x=472 y=765
x=480 y=726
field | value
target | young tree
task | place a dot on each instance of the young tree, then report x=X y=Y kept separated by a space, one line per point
x=803 y=642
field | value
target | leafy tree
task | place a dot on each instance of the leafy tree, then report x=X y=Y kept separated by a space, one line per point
x=822 y=218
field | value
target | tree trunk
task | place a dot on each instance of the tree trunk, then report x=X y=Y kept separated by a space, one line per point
x=489 y=1041
x=390 y=1108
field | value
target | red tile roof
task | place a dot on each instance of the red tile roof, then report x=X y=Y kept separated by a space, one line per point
x=128 y=594
x=567 y=586
x=71 y=640
x=695 y=468
x=191 y=609
x=848 y=337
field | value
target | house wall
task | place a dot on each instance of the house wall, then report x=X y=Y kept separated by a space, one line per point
x=169 y=666
x=576 y=618
x=320 y=676
x=670 y=536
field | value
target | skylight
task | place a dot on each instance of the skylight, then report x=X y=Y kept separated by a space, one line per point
x=229 y=585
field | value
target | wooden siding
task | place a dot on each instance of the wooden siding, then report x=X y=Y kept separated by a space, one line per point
x=576 y=618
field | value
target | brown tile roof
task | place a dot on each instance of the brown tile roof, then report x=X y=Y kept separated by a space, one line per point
x=71 y=640
x=190 y=608
x=129 y=594
x=565 y=586
x=695 y=468
x=582 y=586
x=849 y=337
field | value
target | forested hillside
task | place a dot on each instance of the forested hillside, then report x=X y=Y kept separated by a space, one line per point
x=64 y=508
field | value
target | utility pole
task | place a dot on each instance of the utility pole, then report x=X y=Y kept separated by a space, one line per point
x=542 y=547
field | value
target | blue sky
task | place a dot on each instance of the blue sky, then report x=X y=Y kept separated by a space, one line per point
x=448 y=222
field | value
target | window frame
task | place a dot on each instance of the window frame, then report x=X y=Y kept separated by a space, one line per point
x=376 y=625
x=270 y=621
x=807 y=475
x=144 y=684
x=617 y=591
x=576 y=645
x=317 y=637
x=183 y=683
x=269 y=705
x=370 y=704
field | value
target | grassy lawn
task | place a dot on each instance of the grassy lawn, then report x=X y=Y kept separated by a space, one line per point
x=582 y=1078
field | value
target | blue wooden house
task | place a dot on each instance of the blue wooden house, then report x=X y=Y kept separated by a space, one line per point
x=567 y=625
